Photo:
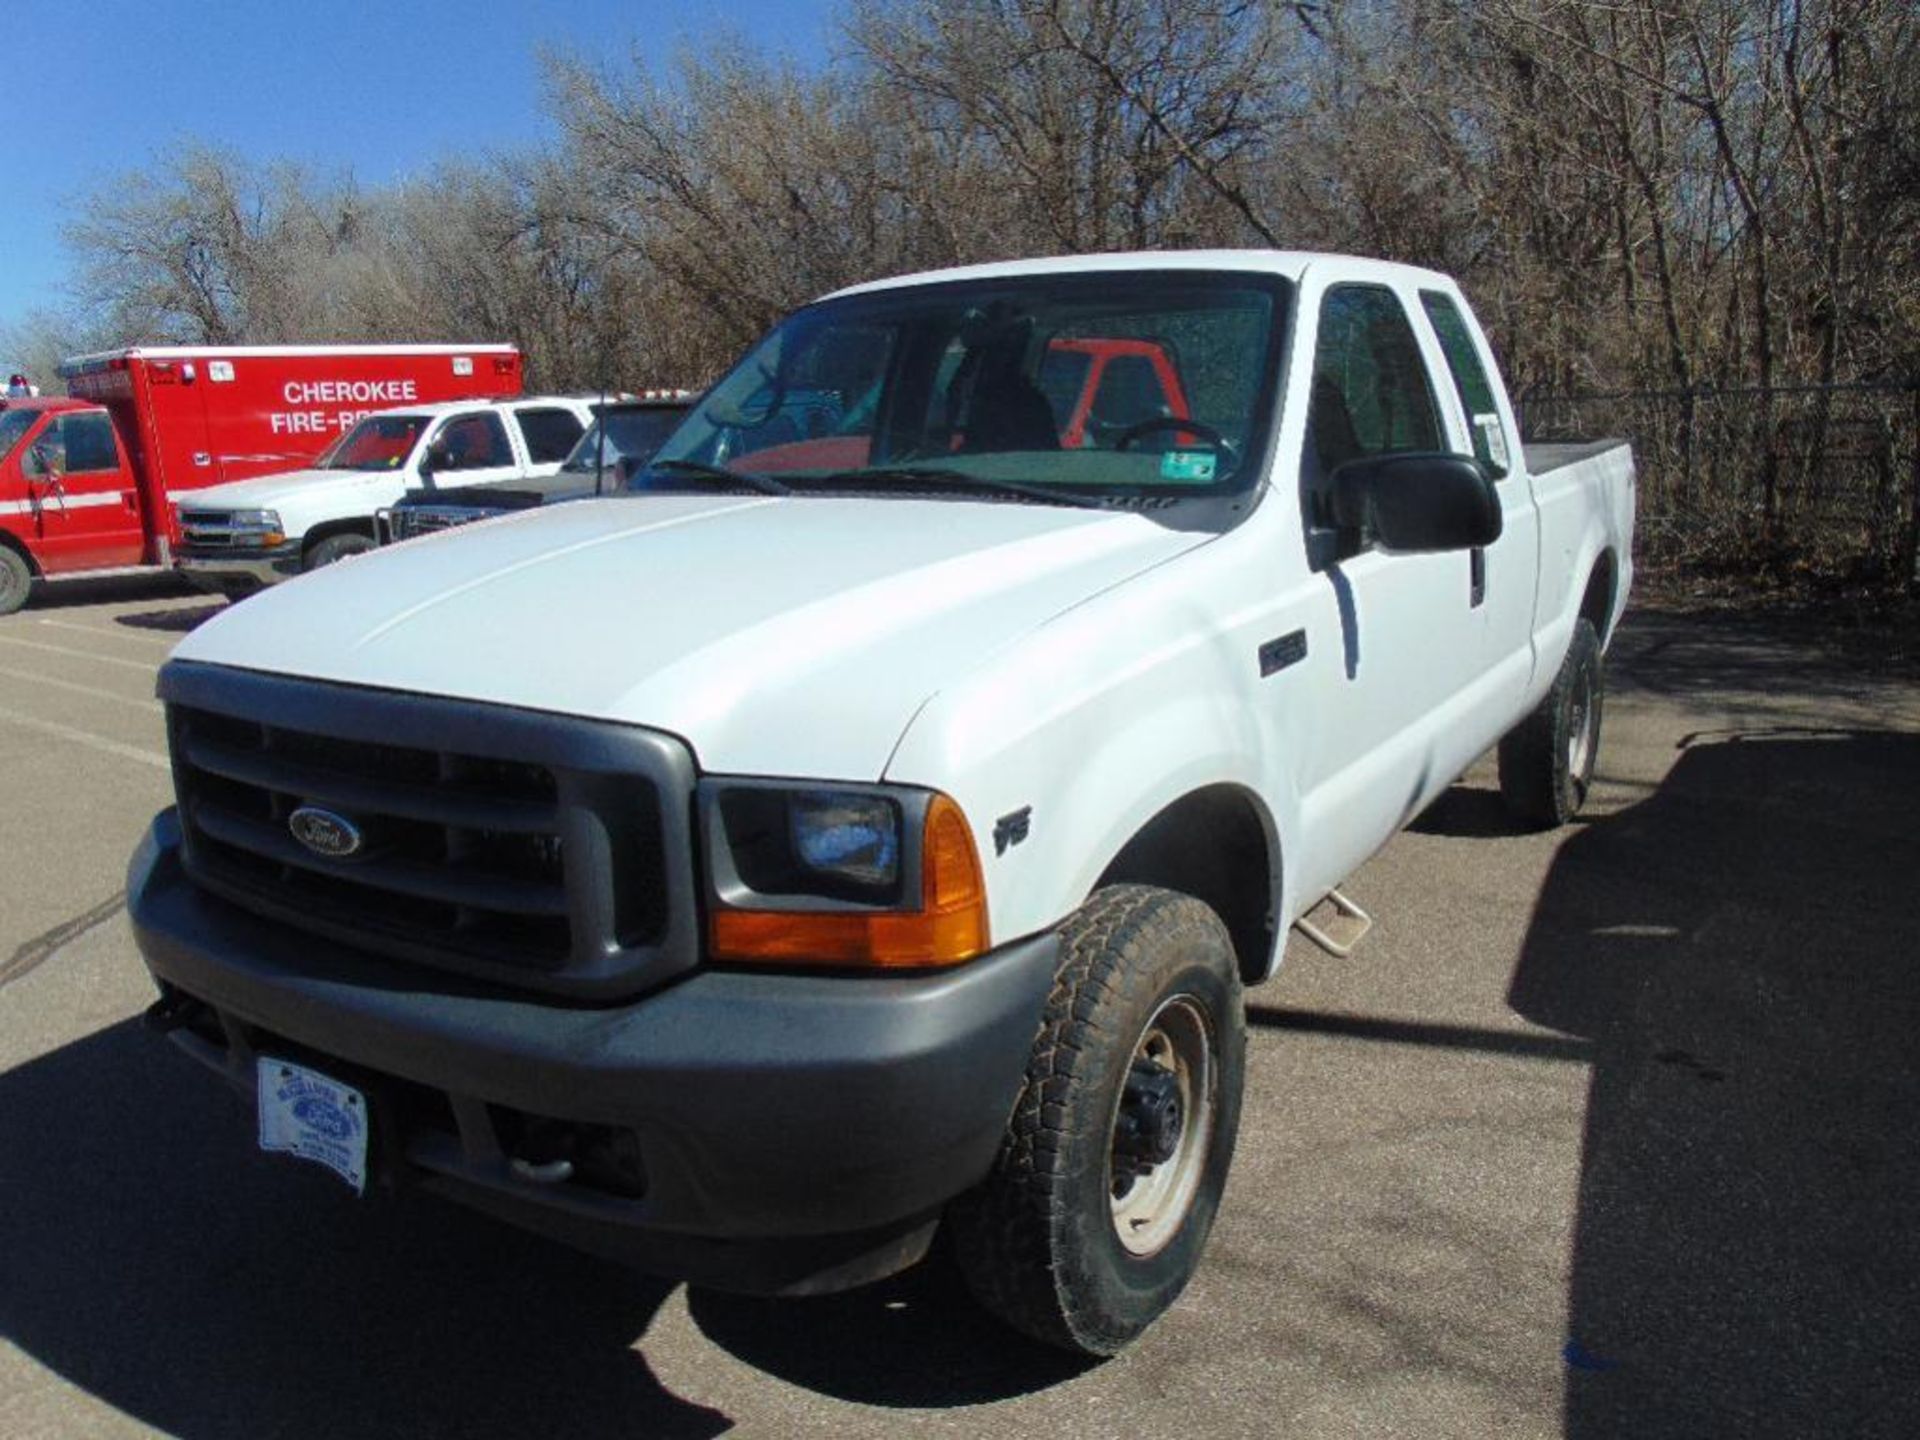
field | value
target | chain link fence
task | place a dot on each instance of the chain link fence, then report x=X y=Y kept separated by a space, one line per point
x=1821 y=481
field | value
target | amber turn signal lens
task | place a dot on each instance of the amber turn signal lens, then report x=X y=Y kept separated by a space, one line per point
x=949 y=927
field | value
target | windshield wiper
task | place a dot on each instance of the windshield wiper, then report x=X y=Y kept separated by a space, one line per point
x=965 y=480
x=765 y=484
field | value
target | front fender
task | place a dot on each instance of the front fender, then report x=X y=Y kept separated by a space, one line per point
x=320 y=509
x=1087 y=731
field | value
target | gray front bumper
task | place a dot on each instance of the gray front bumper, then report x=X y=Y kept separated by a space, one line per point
x=782 y=1117
x=261 y=567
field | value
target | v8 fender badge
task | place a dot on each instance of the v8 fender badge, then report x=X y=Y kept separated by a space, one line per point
x=326 y=833
x=1011 y=829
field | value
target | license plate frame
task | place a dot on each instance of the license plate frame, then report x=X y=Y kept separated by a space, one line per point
x=312 y=1116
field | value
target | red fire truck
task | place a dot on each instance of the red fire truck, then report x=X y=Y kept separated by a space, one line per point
x=88 y=481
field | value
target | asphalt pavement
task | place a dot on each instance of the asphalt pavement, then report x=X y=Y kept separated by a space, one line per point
x=1608 y=1131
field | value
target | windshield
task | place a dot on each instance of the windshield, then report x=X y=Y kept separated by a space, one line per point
x=1115 y=383
x=324 y=459
x=379 y=442
x=13 y=425
x=624 y=435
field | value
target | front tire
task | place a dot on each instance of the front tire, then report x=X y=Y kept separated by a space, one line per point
x=1100 y=1202
x=1546 y=761
x=335 y=548
x=16 y=580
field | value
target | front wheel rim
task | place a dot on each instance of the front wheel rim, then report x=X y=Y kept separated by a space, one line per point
x=1150 y=1199
x=1580 y=726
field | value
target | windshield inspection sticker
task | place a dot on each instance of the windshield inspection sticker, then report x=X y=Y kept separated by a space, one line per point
x=304 y=1113
x=1187 y=467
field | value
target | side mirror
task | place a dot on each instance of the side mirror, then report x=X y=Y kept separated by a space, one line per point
x=1417 y=502
x=36 y=462
x=438 y=457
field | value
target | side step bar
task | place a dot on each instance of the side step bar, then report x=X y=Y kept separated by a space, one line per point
x=1347 y=910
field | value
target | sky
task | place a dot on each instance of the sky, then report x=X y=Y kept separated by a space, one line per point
x=379 y=88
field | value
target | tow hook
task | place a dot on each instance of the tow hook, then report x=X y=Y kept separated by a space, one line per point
x=552 y=1172
x=172 y=1010
x=1147 y=1130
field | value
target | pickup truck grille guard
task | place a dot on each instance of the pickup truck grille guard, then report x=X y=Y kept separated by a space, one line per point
x=542 y=851
x=411 y=520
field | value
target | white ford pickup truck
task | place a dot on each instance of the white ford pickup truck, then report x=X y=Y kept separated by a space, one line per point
x=245 y=534
x=873 y=822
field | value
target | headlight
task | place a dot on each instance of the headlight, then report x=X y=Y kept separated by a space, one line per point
x=254 y=519
x=846 y=837
x=867 y=875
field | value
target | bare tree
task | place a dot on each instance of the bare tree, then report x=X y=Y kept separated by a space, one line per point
x=205 y=246
x=1121 y=125
x=1679 y=199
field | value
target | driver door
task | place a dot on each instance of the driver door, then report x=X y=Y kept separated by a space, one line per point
x=1387 y=736
x=476 y=450
x=83 y=507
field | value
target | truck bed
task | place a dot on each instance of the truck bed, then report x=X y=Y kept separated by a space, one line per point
x=1545 y=456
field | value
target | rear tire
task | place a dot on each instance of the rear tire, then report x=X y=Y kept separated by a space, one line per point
x=334 y=548
x=16 y=580
x=1096 y=1211
x=1546 y=761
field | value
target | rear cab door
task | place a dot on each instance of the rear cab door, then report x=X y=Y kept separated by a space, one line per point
x=1504 y=575
x=547 y=433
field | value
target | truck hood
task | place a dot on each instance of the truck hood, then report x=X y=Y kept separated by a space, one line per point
x=271 y=492
x=776 y=636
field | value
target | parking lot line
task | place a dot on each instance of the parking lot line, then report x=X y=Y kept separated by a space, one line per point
x=86 y=738
x=102 y=632
x=146 y=667
x=92 y=692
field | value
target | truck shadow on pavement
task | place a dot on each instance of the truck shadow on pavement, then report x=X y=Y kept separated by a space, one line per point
x=175 y=621
x=69 y=592
x=148 y=1256
x=917 y=1340
x=1742 y=953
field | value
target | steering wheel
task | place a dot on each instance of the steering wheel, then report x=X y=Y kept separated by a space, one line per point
x=1173 y=422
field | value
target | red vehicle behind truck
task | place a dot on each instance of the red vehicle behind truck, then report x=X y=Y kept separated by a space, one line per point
x=88 y=481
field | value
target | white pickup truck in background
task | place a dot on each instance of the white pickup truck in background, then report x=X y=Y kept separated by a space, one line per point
x=626 y=431
x=240 y=536
x=871 y=823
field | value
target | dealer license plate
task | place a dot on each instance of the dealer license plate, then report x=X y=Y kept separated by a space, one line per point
x=314 y=1117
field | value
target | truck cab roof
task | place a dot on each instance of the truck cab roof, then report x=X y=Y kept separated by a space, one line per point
x=1288 y=264
x=436 y=409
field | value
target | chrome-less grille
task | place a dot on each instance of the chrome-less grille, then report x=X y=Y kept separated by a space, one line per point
x=541 y=850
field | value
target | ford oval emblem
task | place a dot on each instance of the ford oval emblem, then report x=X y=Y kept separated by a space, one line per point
x=320 y=1113
x=326 y=833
